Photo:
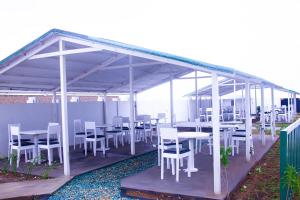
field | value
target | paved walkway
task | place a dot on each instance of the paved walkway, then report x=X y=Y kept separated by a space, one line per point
x=31 y=188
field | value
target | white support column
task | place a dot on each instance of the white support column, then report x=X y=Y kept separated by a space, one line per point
x=171 y=103
x=131 y=101
x=105 y=108
x=248 y=120
x=289 y=108
x=64 y=110
x=234 y=100
x=216 y=134
x=295 y=104
x=255 y=99
x=262 y=114
x=196 y=93
x=55 y=110
x=273 y=130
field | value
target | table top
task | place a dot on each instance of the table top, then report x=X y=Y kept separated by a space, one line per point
x=103 y=125
x=33 y=132
x=193 y=135
x=232 y=122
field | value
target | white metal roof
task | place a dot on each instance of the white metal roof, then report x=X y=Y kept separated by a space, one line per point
x=98 y=65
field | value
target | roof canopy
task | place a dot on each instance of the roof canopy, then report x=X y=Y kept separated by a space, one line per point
x=99 y=65
x=226 y=86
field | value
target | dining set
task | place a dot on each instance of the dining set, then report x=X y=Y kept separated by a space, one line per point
x=171 y=148
x=32 y=142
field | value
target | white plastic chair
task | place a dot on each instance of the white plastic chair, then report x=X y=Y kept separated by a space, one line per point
x=240 y=135
x=90 y=127
x=116 y=133
x=144 y=130
x=208 y=114
x=53 y=141
x=78 y=132
x=199 y=141
x=172 y=153
x=17 y=144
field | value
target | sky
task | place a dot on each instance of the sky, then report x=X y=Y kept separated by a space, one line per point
x=258 y=37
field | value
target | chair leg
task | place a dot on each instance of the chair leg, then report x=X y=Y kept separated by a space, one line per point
x=181 y=162
x=39 y=156
x=26 y=158
x=177 y=170
x=80 y=141
x=200 y=145
x=173 y=166
x=60 y=154
x=18 y=157
x=162 y=168
x=74 y=142
x=95 y=147
x=10 y=158
x=158 y=156
x=85 y=148
x=168 y=163
x=49 y=156
x=103 y=146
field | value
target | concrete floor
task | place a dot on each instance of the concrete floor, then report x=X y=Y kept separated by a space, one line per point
x=200 y=185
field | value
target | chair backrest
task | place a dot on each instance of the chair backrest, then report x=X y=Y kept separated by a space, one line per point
x=9 y=131
x=53 y=132
x=159 y=126
x=208 y=111
x=118 y=122
x=15 y=133
x=77 y=126
x=169 y=134
x=198 y=124
x=90 y=126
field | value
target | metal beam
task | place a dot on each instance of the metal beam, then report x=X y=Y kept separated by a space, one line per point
x=98 y=67
x=171 y=103
x=191 y=78
x=65 y=52
x=29 y=54
x=273 y=130
x=262 y=115
x=131 y=103
x=248 y=120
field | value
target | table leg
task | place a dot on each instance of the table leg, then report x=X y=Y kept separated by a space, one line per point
x=35 y=140
x=191 y=161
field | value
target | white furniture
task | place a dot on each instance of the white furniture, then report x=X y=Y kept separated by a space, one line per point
x=208 y=113
x=17 y=144
x=93 y=138
x=144 y=129
x=172 y=153
x=167 y=144
x=116 y=133
x=199 y=140
x=53 y=141
x=191 y=136
x=35 y=134
x=15 y=140
x=78 y=132
x=240 y=135
x=162 y=116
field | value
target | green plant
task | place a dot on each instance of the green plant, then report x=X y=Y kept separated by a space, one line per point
x=29 y=167
x=291 y=180
x=13 y=159
x=5 y=165
x=224 y=153
x=47 y=170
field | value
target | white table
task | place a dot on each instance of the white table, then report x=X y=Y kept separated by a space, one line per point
x=35 y=134
x=104 y=126
x=191 y=136
x=228 y=128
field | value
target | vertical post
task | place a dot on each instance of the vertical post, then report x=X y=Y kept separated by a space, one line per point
x=135 y=105
x=234 y=100
x=295 y=104
x=248 y=119
x=105 y=108
x=273 y=131
x=64 y=110
x=289 y=108
x=196 y=93
x=255 y=100
x=216 y=134
x=132 y=136
x=262 y=114
x=55 y=110
x=171 y=103
x=243 y=105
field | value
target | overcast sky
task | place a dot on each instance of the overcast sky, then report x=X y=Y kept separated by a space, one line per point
x=255 y=36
